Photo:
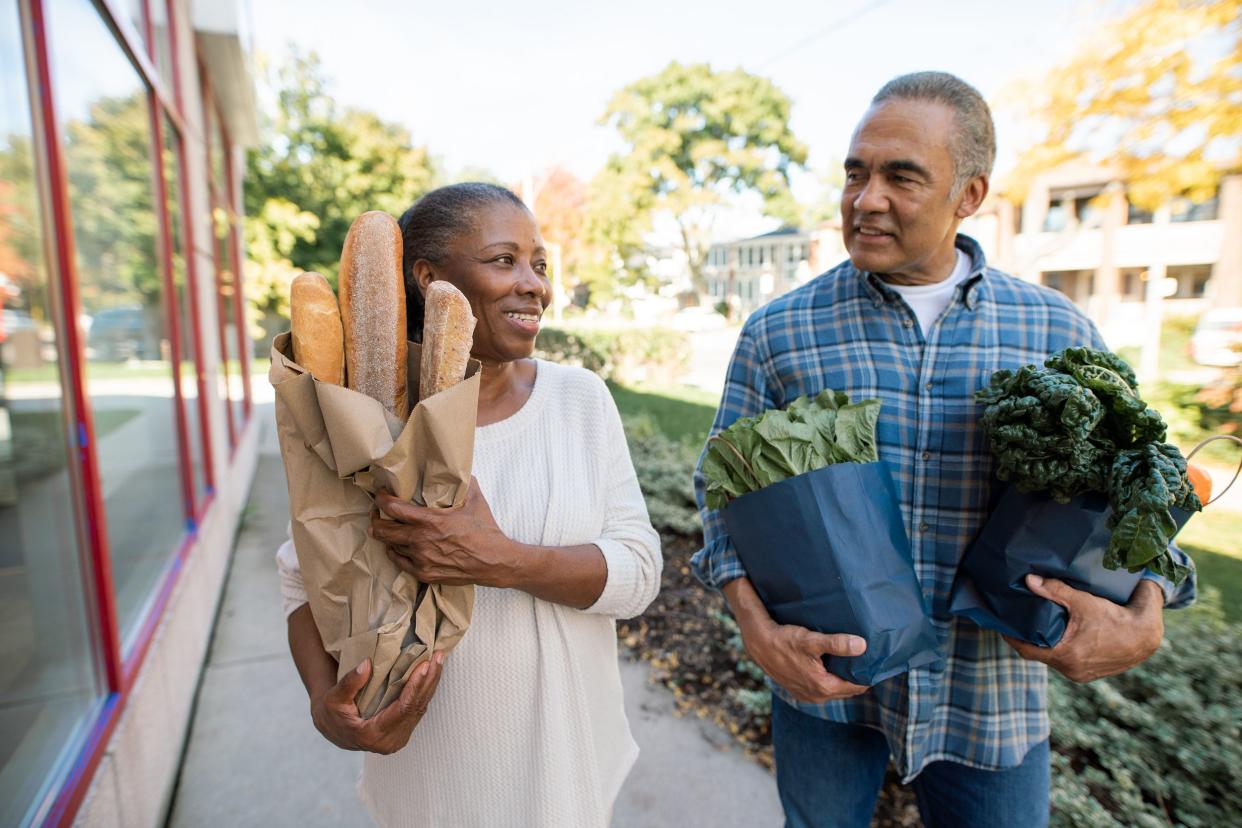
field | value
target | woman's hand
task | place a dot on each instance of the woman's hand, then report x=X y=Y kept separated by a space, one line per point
x=456 y=546
x=335 y=712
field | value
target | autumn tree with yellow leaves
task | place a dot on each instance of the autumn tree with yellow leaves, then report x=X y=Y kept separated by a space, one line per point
x=1155 y=93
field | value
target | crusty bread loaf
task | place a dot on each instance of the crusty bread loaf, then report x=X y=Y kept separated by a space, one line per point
x=373 y=310
x=318 y=341
x=448 y=334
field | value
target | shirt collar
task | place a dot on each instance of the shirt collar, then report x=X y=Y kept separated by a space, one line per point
x=969 y=290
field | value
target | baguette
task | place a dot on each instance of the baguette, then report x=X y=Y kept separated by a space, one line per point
x=318 y=341
x=373 y=311
x=448 y=334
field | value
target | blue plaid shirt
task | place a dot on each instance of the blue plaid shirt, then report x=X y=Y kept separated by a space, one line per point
x=982 y=705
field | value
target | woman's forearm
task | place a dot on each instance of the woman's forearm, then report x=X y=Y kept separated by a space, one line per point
x=570 y=575
x=315 y=666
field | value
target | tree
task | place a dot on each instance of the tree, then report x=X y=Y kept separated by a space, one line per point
x=317 y=167
x=560 y=203
x=1157 y=92
x=692 y=136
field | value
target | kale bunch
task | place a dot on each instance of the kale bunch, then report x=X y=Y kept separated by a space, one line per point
x=811 y=433
x=1078 y=425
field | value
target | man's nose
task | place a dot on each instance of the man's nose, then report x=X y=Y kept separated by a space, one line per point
x=871 y=198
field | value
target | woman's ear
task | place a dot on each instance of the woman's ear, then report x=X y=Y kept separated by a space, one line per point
x=424 y=275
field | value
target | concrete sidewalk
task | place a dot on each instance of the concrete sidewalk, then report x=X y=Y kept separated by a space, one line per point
x=254 y=759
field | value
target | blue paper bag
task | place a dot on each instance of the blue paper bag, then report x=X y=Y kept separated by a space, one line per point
x=827 y=550
x=1030 y=532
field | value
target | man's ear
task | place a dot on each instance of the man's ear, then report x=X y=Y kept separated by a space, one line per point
x=424 y=275
x=973 y=194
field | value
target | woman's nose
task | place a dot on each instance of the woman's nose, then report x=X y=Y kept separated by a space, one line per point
x=531 y=283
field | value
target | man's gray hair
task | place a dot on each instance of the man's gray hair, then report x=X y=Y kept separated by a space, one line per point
x=974 y=145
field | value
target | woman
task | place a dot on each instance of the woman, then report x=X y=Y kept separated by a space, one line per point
x=527 y=726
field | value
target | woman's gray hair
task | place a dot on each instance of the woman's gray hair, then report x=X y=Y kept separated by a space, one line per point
x=429 y=227
x=974 y=145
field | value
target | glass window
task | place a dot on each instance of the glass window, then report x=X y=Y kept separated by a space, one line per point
x=1057 y=217
x=223 y=225
x=162 y=31
x=1087 y=212
x=134 y=12
x=1133 y=283
x=48 y=684
x=1191 y=280
x=1186 y=210
x=185 y=317
x=105 y=125
x=1137 y=215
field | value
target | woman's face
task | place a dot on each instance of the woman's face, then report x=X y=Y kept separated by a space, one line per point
x=502 y=268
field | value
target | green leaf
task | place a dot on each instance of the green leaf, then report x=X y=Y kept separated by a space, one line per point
x=855 y=431
x=1141 y=537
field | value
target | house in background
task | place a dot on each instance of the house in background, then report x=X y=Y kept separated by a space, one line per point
x=127 y=431
x=1125 y=267
x=747 y=273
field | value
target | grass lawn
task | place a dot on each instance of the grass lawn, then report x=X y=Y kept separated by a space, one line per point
x=1214 y=540
x=684 y=414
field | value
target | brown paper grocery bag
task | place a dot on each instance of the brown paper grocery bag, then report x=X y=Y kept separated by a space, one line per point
x=340 y=447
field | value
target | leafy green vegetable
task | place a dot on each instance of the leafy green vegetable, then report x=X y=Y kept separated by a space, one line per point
x=1078 y=425
x=811 y=433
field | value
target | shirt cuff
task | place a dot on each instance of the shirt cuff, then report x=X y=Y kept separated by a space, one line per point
x=622 y=584
x=717 y=563
x=292 y=588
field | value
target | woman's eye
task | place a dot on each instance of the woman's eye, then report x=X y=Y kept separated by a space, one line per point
x=505 y=260
x=541 y=268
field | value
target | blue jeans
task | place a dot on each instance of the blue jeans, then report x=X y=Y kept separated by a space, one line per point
x=829 y=774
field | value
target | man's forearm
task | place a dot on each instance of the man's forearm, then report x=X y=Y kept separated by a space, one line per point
x=752 y=616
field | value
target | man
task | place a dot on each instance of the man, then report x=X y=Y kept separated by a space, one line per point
x=916 y=318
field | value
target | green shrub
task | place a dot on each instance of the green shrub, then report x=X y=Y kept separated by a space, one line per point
x=664 y=467
x=1161 y=744
x=628 y=355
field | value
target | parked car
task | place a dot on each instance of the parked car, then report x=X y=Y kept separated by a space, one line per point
x=122 y=333
x=1217 y=339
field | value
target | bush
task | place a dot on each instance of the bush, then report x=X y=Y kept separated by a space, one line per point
x=628 y=355
x=1161 y=744
x=663 y=467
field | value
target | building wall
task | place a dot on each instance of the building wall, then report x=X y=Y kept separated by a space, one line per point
x=1124 y=270
x=153 y=428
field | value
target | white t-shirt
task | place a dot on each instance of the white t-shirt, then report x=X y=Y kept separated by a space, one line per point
x=929 y=301
x=528 y=725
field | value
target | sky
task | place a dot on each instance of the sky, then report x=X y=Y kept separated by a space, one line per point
x=517 y=87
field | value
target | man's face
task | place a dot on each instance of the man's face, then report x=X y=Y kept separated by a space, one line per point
x=896 y=213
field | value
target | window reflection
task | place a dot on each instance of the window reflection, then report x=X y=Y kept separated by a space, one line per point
x=105 y=125
x=222 y=221
x=47 y=679
x=189 y=355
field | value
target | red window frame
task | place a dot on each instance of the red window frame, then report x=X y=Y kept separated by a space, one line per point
x=119 y=669
x=227 y=201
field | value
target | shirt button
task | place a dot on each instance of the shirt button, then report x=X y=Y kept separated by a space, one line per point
x=927 y=455
x=909 y=323
x=923 y=527
x=928 y=386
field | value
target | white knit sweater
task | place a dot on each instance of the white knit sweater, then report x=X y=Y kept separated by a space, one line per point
x=528 y=726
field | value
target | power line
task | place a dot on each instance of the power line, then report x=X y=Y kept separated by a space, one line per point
x=834 y=26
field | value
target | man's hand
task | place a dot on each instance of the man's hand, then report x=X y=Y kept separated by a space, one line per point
x=792 y=656
x=336 y=715
x=1101 y=638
